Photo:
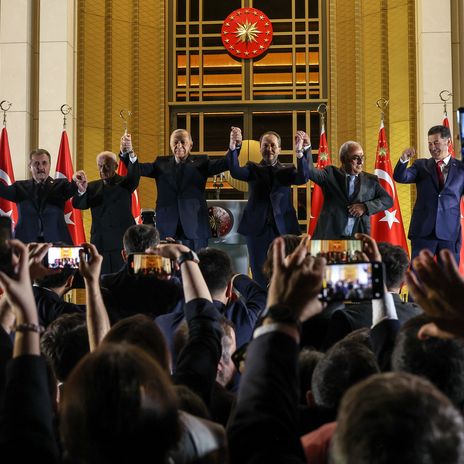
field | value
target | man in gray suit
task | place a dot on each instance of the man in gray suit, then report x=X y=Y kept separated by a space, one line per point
x=350 y=194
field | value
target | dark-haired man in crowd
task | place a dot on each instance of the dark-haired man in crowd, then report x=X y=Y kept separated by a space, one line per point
x=357 y=315
x=126 y=294
x=216 y=268
x=436 y=217
x=40 y=202
x=49 y=294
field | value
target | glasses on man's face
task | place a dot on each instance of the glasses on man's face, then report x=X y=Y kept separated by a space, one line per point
x=358 y=158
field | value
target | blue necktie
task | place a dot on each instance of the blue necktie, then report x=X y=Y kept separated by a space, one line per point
x=351 y=186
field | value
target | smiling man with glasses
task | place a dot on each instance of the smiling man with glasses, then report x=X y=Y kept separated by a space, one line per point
x=351 y=195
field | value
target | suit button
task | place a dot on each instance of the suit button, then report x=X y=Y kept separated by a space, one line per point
x=439 y=196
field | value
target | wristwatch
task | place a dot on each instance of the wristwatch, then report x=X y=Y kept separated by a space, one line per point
x=188 y=256
x=281 y=313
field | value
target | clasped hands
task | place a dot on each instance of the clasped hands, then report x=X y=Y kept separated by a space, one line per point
x=235 y=138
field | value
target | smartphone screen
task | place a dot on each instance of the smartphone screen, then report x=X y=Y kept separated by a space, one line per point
x=149 y=264
x=337 y=251
x=5 y=250
x=353 y=282
x=63 y=257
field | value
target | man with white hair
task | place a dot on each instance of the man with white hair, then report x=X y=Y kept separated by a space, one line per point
x=351 y=195
x=109 y=200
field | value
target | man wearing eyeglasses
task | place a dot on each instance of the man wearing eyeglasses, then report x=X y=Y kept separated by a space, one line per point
x=351 y=195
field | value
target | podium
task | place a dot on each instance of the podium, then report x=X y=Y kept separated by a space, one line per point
x=225 y=216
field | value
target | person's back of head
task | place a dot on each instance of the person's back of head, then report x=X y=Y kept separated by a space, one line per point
x=141 y=331
x=344 y=365
x=216 y=268
x=397 y=418
x=139 y=237
x=119 y=406
x=307 y=361
x=64 y=343
x=438 y=360
x=396 y=263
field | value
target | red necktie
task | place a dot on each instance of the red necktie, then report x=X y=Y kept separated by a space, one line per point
x=441 y=177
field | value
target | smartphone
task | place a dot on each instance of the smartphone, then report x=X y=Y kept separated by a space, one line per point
x=353 y=282
x=61 y=257
x=149 y=264
x=337 y=251
x=5 y=250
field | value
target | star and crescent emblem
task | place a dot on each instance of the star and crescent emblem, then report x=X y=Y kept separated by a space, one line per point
x=246 y=33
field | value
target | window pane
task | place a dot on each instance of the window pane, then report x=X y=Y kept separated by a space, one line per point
x=217 y=130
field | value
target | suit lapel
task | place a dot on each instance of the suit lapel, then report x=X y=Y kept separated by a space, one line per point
x=432 y=170
x=340 y=177
x=451 y=171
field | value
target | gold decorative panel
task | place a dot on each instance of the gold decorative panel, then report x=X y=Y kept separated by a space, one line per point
x=121 y=56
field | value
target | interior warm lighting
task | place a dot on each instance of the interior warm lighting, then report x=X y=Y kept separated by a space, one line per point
x=284 y=78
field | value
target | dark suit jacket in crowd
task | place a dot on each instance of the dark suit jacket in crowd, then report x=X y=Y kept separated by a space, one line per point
x=50 y=306
x=270 y=195
x=126 y=294
x=358 y=315
x=243 y=312
x=41 y=212
x=334 y=215
x=110 y=205
x=181 y=193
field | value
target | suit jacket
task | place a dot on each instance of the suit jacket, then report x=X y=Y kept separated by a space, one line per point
x=270 y=195
x=181 y=194
x=43 y=214
x=334 y=215
x=434 y=211
x=50 y=306
x=126 y=294
x=355 y=316
x=243 y=313
x=110 y=205
x=264 y=426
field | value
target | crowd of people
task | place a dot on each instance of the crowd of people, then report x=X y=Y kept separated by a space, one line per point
x=203 y=365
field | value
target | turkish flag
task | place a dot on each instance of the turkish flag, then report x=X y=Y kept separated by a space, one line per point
x=7 y=208
x=453 y=154
x=122 y=171
x=387 y=226
x=317 y=197
x=64 y=170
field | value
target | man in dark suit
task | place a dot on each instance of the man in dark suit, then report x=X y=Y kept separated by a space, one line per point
x=40 y=202
x=436 y=218
x=269 y=211
x=109 y=200
x=181 y=210
x=126 y=294
x=354 y=316
x=351 y=195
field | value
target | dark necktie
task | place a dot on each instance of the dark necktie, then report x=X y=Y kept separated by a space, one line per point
x=441 y=177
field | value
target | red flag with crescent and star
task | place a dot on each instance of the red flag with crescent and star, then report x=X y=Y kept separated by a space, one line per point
x=387 y=226
x=453 y=154
x=122 y=171
x=7 y=208
x=317 y=197
x=64 y=170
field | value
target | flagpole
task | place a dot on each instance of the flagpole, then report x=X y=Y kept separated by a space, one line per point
x=322 y=110
x=445 y=95
x=382 y=104
x=5 y=105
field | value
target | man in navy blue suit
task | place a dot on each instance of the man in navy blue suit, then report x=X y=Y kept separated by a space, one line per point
x=436 y=218
x=181 y=210
x=269 y=212
x=40 y=202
